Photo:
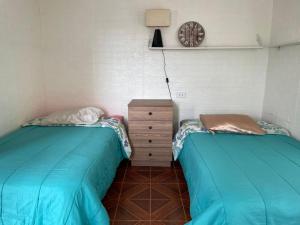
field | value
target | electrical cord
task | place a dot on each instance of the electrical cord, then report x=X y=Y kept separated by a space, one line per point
x=166 y=74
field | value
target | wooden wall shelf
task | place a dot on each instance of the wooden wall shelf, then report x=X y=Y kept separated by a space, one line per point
x=259 y=45
x=285 y=44
x=228 y=47
x=250 y=47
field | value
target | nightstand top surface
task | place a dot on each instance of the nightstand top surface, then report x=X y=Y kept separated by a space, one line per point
x=151 y=103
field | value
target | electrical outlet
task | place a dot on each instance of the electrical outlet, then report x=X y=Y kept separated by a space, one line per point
x=180 y=94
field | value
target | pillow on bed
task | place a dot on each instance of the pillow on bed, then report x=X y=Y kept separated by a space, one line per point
x=87 y=115
x=233 y=123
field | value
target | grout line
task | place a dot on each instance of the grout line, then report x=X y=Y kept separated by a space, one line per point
x=180 y=196
x=121 y=189
x=150 y=202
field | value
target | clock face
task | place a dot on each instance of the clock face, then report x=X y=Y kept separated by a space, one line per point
x=191 y=34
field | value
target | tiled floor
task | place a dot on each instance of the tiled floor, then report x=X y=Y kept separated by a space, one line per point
x=148 y=195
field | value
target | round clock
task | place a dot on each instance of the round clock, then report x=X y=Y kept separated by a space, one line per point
x=191 y=34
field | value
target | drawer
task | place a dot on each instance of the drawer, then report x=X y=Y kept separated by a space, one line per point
x=155 y=154
x=151 y=140
x=150 y=127
x=150 y=113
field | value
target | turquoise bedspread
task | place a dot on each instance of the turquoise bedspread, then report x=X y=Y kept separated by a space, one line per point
x=57 y=175
x=242 y=179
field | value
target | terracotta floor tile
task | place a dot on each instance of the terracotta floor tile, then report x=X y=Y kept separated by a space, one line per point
x=148 y=168
x=133 y=209
x=148 y=196
x=111 y=205
x=163 y=175
x=186 y=205
x=135 y=191
x=162 y=168
x=180 y=176
x=170 y=222
x=114 y=191
x=164 y=191
x=120 y=174
x=124 y=222
x=184 y=191
x=139 y=168
x=166 y=209
x=134 y=175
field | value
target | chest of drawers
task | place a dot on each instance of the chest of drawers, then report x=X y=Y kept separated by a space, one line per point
x=150 y=124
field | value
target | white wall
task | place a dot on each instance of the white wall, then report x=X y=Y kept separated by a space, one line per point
x=282 y=98
x=95 y=53
x=20 y=77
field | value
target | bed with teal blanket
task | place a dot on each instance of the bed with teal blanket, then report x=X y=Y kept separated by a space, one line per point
x=57 y=175
x=242 y=179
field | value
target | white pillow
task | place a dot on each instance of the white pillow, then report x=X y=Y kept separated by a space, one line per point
x=87 y=115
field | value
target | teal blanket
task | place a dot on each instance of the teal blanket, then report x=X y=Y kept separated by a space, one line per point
x=242 y=179
x=57 y=175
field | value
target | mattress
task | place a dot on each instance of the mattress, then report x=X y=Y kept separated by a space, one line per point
x=57 y=175
x=242 y=179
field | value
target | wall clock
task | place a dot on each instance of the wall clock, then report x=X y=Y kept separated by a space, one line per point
x=191 y=34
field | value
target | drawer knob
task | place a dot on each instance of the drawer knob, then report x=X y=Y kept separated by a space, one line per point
x=150 y=127
x=150 y=113
x=150 y=141
x=150 y=154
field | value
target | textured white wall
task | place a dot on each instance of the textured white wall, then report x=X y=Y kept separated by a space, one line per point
x=95 y=53
x=286 y=20
x=20 y=77
x=282 y=98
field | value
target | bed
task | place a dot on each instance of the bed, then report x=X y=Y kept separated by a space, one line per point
x=57 y=175
x=241 y=179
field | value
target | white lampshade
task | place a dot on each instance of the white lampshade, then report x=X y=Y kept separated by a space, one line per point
x=158 y=17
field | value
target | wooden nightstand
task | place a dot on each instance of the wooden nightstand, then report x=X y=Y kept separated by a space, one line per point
x=150 y=124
